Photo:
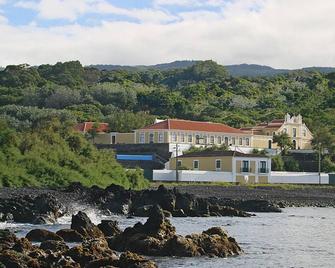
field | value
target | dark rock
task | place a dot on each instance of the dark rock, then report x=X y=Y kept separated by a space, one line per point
x=217 y=210
x=70 y=235
x=54 y=245
x=13 y=259
x=40 y=235
x=7 y=239
x=132 y=260
x=90 y=250
x=109 y=228
x=44 y=208
x=23 y=245
x=158 y=237
x=83 y=225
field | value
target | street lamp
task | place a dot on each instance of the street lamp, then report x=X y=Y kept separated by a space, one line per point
x=319 y=147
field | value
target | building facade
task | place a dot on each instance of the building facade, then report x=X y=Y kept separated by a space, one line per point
x=292 y=125
x=252 y=168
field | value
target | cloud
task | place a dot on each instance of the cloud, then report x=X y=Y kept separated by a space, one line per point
x=283 y=33
x=190 y=3
x=72 y=9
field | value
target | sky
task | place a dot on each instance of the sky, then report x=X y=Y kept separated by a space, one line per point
x=278 y=33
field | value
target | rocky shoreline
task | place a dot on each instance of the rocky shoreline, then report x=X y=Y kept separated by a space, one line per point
x=96 y=245
x=40 y=206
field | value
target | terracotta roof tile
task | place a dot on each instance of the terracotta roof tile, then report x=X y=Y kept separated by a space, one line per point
x=179 y=124
x=86 y=126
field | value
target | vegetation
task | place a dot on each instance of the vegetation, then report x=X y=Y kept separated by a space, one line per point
x=32 y=97
x=52 y=154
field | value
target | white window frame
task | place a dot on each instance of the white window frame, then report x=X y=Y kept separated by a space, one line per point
x=190 y=138
x=247 y=141
x=242 y=166
x=196 y=161
x=219 y=139
x=151 y=137
x=142 y=137
x=233 y=140
x=294 y=132
x=182 y=137
x=173 y=137
x=211 y=139
x=161 y=137
x=216 y=161
x=240 y=141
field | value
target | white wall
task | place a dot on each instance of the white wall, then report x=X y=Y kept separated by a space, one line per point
x=213 y=176
x=192 y=176
x=298 y=177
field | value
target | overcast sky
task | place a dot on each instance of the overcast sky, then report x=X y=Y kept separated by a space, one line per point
x=279 y=33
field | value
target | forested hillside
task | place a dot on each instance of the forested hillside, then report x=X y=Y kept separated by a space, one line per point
x=132 y=99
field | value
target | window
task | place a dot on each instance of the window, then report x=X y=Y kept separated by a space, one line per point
x=219 y=139
x=174 y=137
x=142 y=137
x=247 y=141
x=226 y=141
x=245 y=166
x=233 y=141
x=182 y=137
x=160 y=137
x=190 y=138
x=151 y=138
x=294 y=144
x=270 y=144
x=196 y=164
x=294 y=132
x=263 y=168
x=197 y=139
x=273 y=133
x=218 y=164
x=241 y=141
x=212 y=140
x=205 y=139
x=179 y=163
x=304 y=132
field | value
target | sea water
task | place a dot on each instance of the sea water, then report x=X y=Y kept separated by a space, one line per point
x=298 y=237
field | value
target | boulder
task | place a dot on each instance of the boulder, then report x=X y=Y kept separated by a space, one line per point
x=7 y=239
x=54 y=245
x=40 y=235
x=132 y=260
x=109 y=227
x=157 y=237
x=90 y=250
x=83 y=225
x=70 y=235
x=13 y=259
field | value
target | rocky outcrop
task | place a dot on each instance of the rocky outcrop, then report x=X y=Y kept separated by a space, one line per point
x=70 y=235
x=40 y=235
x=83 y=225
x=42 y=209
x=109 y=228
x=91 y=253
x=158 y=237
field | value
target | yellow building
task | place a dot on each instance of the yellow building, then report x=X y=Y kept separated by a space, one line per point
x=262 y=134
x=252 y=168
x=186 y=132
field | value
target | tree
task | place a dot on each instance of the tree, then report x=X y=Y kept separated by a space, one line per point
x=284 y=142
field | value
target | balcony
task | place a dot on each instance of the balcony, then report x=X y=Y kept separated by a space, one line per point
x=263 y=170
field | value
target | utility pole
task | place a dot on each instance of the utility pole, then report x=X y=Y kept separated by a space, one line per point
x=177 y=172
x=319 y=163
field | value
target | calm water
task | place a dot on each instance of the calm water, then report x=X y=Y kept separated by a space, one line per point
x=298 y=237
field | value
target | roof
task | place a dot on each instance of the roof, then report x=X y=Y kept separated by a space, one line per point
x=86 y=126
x=219 y=153
x=179 y=124
x=276 y=123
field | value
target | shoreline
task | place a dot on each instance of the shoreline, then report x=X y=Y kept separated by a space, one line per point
x=281 y=195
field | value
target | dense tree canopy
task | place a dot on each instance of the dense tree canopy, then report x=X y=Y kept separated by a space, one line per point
x=130 y=99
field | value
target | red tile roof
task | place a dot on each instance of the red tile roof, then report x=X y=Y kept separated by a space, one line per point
x=179 y=124
x=86 y=126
